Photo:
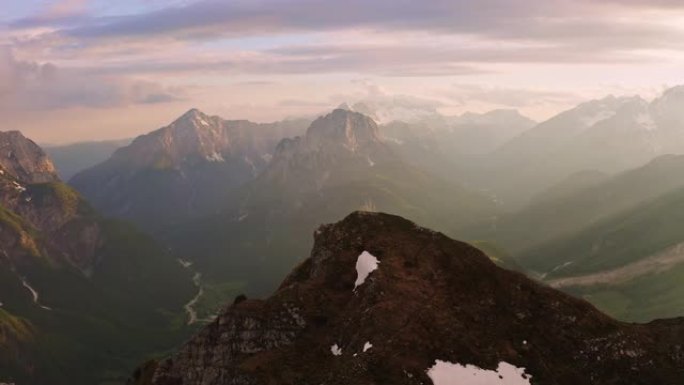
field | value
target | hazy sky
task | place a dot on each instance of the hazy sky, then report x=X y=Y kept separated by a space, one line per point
x=87 y=69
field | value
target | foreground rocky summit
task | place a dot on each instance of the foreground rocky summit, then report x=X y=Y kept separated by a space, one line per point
x=382 y=301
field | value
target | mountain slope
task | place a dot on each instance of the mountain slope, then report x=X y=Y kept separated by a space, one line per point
x=72 y=282
x=630 y=264
x=183 y=170
x=608 y=135
x=383 y=301
x=562 y=215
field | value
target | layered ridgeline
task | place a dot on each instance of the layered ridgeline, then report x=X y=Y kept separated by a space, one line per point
x=448 y=146
x=342 y=163
x=183 y=170
x=80 y=297
x=613 y=239
x=383 y=301
x=608 y=135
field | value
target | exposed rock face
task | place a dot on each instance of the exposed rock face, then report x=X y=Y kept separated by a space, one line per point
x=23 y=158
x=430 y=298
x=34 y=201
x=182 y=170
x=336 y=147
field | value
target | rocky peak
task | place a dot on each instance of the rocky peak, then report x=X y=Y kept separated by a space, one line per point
x=336 y=146
x=25 y=160
x=342 y=127
x=195 y=119
x=383 y=301
x=193 y=136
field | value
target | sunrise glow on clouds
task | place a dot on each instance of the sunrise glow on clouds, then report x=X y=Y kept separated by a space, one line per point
x=88 y=69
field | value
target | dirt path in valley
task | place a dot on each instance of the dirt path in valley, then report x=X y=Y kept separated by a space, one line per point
x=657 y=263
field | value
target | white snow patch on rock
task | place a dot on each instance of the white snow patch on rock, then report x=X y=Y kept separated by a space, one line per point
x=215 y=157
x=447 y=373
x=19 y=187
x=184 y=263
x=367 y=346
x=34 y=294
x=365 y=264
x=336 y=350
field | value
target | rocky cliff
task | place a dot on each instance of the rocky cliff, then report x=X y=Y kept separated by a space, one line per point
x=42 y=214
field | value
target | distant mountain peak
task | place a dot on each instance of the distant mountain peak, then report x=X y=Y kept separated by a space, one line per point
x=344 y=106
x=349 y=128
x=24 y=159
x=194 y=118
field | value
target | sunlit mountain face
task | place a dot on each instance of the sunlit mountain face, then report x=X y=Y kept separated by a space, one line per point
x=199 y=192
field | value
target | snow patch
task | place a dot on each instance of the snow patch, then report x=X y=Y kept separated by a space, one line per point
x=367 y=346
x=365 y=264
x=447 y=373
x=203 y=122
x=370 y=162
x=215 y=157
x=34 y=294
x=184 y=263
x=336 y=350
x=19 y=187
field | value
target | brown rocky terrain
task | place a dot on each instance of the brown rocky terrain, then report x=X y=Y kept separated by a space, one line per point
x=430 y=298
x=23 y=158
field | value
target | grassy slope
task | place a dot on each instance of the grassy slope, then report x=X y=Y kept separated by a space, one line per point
x=101 y=327
x=552 y=219
x=617 y=240
x=630 y=236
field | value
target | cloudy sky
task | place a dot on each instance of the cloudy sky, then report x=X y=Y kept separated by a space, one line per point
x=93 y=69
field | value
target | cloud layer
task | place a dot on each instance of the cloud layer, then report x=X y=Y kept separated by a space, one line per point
x=270 y=55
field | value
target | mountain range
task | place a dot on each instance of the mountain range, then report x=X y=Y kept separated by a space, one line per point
x=588 y=202
x=182 y=170
x=256 y=227
x=341 y=164
x=610 y=135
